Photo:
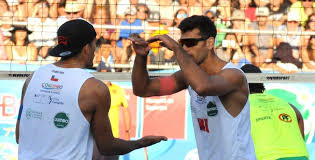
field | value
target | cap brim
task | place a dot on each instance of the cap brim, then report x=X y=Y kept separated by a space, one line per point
x=58 y=50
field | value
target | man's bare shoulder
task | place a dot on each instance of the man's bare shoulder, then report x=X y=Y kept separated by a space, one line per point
x=235 y=79
x=93 y=86
x=233 y=74
x=93 y=93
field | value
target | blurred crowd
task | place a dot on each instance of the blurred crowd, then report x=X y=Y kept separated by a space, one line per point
x=28 y=30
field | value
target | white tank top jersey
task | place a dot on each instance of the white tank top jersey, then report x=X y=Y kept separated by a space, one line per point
x=52 y=125
x=219 y=135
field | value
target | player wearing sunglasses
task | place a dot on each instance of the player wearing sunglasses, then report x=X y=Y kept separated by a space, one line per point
x=218 y=89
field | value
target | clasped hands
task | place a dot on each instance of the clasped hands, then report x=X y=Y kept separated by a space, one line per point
x=142 y=47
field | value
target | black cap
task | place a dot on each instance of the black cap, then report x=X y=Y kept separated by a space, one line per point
x=72 y=37
x=250 y=68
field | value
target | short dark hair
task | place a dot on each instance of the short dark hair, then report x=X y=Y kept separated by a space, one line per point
x=253 y=87
x=203 y=23
x=76 y=52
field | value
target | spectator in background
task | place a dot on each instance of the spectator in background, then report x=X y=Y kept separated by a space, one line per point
x=14 y=8
x=123 y=6
x=298 y=8
x=278 y=9
x=309 y=7
x=101 y=18
x=143 y=13
x=262 y=3
x=3 y=53
x=44 y=30
x=6 y=27
x=223 y=9
x=237 y=44
x=308 y=54
x=101 y=15
x=310 y=27
x=194 y=7
x=73 y=10
x=128 y=57
x=154 y=21
x=130 y=21
x=104 y=56
x=283 y=60
x=19 y=48
x=279 y=117
x=295 y=40
x=167 y=8
x=220 y=35
x=88 y=7
x=248 y=7
x=60 y=9
x=179 y=15
x=53 y=8
x=3 y=6
x=263 y=42
x=207 y=4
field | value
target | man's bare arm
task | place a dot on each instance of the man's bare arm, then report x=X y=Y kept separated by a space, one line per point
x=101 y=128
x=300 y=120
x=220 y=84
x=142 y=84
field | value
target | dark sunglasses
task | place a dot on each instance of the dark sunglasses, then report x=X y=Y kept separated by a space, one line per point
x=190 y=42
x=144 y=11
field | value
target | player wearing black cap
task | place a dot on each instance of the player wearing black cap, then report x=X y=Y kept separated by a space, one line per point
x=63 y=107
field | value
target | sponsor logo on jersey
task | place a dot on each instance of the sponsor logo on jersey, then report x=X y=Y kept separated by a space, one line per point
x=61 y=120
x=53 y=78
x=285 y=117
x=32 y=114
x=200 y=99
x=212 y=109
x=50 y=86
x=45 y=99
x=57 y=72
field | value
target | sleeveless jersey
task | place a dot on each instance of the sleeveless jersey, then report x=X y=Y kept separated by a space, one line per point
x=219 y=135
x=52 y=125
x=275 y=130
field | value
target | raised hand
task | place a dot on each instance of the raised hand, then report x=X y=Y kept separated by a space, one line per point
x=165 y=41
x=150 y=140
x=140 y=46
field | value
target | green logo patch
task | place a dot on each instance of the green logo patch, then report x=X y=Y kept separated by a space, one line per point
x=212 y=109
x=61 y=120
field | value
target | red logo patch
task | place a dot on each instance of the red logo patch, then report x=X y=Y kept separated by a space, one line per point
x=62 y=40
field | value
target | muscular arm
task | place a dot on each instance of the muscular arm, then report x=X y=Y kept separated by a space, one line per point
x=97 y=97
x=220 y=84
x=145 y=87
x=300 y=120
x=17 y=130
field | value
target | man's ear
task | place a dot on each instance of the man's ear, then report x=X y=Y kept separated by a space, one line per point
x=210 y=42
x=86 y=48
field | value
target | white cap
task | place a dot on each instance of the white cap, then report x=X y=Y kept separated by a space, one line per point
x=73 y=6
x=131 y=10
x=262 y=11
x=293 y=16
